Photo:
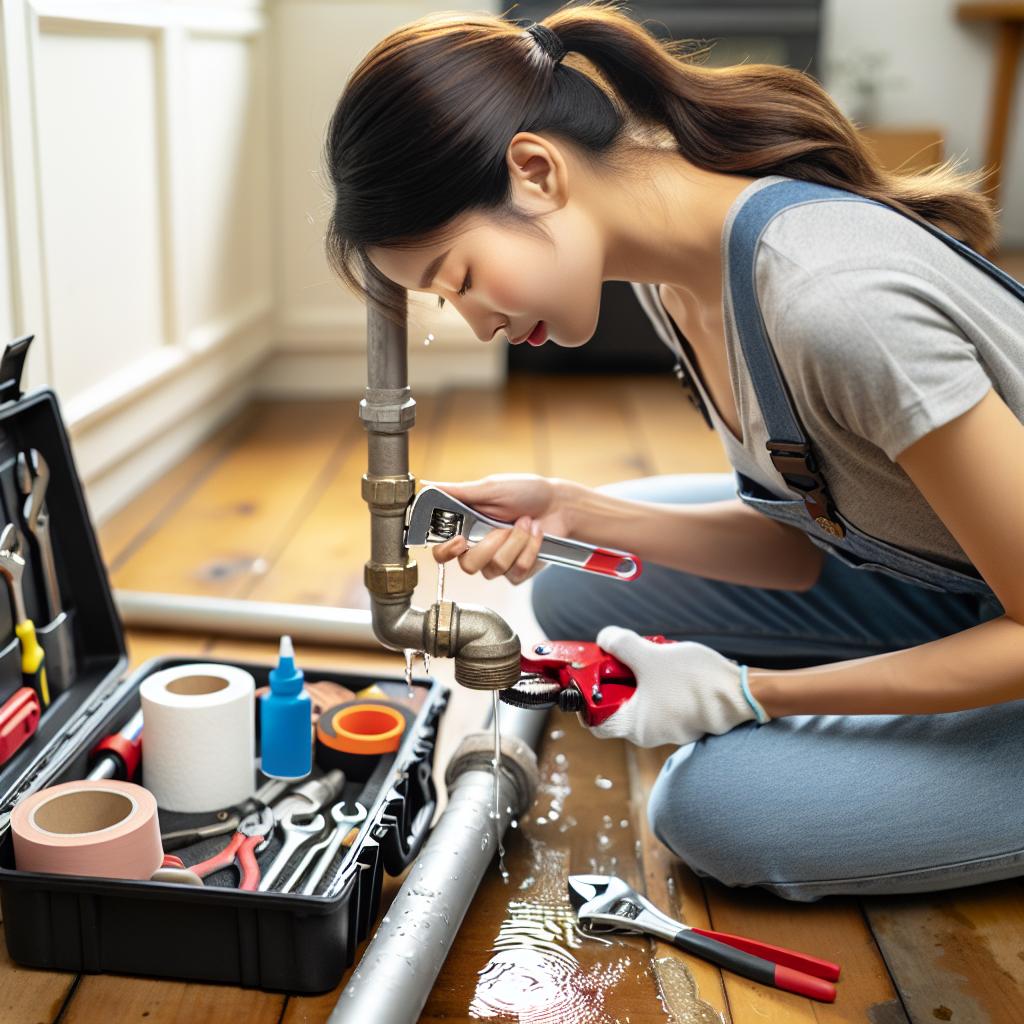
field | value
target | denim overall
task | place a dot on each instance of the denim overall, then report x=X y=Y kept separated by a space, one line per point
x=791 y=453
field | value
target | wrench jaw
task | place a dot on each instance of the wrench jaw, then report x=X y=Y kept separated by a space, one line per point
x=434 y=517
x=606 y=903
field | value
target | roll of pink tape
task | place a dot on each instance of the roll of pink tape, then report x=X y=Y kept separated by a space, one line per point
x=104 y=829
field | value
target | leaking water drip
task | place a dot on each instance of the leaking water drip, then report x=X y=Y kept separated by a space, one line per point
x=496 y=814
x=428 y=339
x=409 y=653
x=441 y=566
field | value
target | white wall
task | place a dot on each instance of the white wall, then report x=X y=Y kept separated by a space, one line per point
x=138 y=199
x=320 y=327
x=949 y=69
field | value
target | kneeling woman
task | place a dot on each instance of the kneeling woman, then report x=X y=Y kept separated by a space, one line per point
x=847 y=692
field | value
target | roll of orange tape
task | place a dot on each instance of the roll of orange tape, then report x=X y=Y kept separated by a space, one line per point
x=354 y=736
x=363 y=728
x=101 y=828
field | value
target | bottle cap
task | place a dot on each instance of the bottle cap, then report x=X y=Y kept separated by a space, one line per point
x=286 y=679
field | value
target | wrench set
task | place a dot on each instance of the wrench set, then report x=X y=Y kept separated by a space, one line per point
x=274 y=892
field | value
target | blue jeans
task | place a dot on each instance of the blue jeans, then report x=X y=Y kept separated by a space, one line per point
x=815 y=805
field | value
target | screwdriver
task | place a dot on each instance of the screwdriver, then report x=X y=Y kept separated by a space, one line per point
x=33 y=658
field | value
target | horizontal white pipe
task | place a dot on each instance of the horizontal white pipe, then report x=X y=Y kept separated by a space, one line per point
x=226 y=616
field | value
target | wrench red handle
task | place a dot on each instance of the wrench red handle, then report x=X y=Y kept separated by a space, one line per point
x=777 y=954
x=614 y=563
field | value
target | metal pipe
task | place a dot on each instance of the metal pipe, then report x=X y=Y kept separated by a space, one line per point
x=397 y=971
x=485 y=648
x=306 y=623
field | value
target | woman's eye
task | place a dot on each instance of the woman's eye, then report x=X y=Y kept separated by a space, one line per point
x=462 y=291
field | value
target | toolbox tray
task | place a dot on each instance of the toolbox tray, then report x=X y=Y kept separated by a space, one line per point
x=271 y=940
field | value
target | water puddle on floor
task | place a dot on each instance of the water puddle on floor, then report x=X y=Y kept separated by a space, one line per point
x=533 y=975
x=541 y=968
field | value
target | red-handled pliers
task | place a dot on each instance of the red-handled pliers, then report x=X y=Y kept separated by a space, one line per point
x=575 y=676
x=252 y=835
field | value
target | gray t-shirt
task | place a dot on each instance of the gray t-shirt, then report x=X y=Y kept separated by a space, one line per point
x=883 y=333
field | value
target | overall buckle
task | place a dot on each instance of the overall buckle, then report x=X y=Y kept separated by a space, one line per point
x=795 y=463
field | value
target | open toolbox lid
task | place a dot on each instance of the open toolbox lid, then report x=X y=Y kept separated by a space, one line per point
x=95 y=636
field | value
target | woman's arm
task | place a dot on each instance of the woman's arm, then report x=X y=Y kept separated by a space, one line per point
x=971 y=471
x=721 y=540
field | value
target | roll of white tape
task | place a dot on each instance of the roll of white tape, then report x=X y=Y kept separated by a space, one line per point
x=198 y=736
x=98 y=827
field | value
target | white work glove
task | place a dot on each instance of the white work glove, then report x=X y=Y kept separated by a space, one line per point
x=683 y=690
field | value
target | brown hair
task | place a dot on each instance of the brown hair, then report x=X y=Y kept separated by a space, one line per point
x=420 y=132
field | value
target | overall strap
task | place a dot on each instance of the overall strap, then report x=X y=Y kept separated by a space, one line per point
x=790 y=450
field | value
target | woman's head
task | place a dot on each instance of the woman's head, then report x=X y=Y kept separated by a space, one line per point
x=464 y=132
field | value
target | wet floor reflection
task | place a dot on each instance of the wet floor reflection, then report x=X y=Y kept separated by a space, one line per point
x=534 y=965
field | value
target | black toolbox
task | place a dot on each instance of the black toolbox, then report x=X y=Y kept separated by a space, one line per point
x=271 y=940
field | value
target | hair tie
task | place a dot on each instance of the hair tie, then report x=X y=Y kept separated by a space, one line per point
x=548 y=41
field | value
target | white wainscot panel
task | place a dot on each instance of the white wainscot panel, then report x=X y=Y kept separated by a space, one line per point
x=227 y=196
x=100 y=187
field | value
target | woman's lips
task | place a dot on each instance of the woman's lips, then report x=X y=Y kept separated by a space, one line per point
x=538 y=335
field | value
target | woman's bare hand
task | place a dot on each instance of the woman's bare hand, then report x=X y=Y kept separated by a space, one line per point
x=535 y=505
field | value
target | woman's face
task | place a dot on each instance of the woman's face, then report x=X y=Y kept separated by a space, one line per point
x=503 y=281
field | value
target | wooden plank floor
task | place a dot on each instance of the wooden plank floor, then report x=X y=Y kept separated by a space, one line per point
x=270 y=509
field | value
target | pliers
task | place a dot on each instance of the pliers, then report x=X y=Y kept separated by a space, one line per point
x=253 y=834
x=574 y=676
x=607 y=903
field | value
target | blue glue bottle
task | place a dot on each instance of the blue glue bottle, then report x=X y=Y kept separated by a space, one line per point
x=286 y=746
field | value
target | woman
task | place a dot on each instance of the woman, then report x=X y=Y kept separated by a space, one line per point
x=858 y=584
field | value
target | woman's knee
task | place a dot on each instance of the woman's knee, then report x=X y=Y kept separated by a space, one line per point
x=701 y=808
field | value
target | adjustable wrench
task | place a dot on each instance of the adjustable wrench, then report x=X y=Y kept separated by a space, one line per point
x=434 y=516
x=607 y=903
x=34 y=478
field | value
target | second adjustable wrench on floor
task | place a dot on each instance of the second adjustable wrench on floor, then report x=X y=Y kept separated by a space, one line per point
x=435 y=516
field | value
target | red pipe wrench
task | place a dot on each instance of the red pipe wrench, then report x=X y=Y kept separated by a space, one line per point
x=574 y=676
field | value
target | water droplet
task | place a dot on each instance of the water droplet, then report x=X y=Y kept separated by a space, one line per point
x=556 y=734
x=624 y=823
x=603 y=841
x=602 y=783
x=561 y=760
x=410 y=653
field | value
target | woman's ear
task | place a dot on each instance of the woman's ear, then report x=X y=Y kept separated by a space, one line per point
x=538 y=173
